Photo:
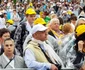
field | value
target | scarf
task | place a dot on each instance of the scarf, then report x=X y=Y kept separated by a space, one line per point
x=56 y=34
x=59 y=36
x=53 y=56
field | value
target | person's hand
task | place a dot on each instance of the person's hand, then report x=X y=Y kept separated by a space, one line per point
x=53 y=67
x=83 y=67
x=80 y=45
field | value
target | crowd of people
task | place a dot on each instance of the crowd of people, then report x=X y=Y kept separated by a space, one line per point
x=42 y=35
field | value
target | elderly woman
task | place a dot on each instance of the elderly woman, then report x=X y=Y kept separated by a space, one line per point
x=8 y=59
x=54 y=28
x=80 y=21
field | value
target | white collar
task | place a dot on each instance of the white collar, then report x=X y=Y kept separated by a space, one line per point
x=28 y=26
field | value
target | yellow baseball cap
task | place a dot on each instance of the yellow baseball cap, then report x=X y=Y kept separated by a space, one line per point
x=10 y=21
x=39 y=21
x=30 y=4
x=41 y=13
x=69 y=12
x=30 y=11
x=80 y=30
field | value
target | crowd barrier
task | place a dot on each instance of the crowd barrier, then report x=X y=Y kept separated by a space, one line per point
x=19 y=69
x=32 y=69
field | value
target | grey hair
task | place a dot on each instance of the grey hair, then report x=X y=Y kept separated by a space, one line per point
x=54 y=20
x=77 y=22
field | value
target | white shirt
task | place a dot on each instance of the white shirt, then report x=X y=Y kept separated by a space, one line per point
x=2 y=21
x=2 y=25
x=28 y=27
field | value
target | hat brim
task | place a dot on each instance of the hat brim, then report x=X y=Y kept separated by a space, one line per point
x=43 y=29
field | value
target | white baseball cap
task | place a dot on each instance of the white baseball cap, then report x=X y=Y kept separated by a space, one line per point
x=38 y=27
